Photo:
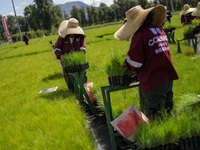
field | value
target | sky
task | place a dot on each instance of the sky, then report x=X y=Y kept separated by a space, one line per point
x=6 y=7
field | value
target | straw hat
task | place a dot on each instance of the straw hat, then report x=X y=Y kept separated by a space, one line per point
x=196 y=12
x=135 y=18
x=186 y=9
x=69 y=27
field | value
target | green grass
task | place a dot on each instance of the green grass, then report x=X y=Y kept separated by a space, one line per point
x=38 y=121
x=30 y=120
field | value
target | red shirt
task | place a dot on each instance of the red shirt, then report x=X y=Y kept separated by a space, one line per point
x=150 y=58
x=187 y=19
x=63 y=45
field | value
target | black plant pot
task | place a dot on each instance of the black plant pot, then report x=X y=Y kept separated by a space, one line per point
x=189 y=35
x=170 y=146
x=169 y=30
x=122 y=80
x=190 y=143
x=77 y=68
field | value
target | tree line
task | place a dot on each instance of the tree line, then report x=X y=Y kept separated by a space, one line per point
x=44 y=15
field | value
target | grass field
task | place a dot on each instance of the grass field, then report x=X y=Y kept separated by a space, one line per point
x=29 y=120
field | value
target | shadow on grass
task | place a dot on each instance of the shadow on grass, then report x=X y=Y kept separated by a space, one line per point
x=28 y=54
x=53 y=77
x=101 y=36
x=58 y=95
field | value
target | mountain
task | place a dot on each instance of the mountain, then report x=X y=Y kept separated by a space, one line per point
x=68 y=6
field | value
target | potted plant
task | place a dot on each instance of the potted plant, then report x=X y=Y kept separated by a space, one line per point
x=118 y=74
x=195 y=23
x=180 y=131
x=74 y=62
x=168 y=27
x=188 y=31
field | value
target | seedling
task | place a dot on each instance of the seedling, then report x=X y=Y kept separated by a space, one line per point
x=115 y=67
x=73 y=58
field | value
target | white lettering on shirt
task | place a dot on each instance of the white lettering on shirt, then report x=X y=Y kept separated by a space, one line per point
x=161 y=49
x=157 y=39
x=160 y=40
x=158 y=30
x=153 y=30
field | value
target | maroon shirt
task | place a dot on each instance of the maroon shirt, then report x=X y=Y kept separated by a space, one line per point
x=150 y=58
x=187 y=19
x=63 y=45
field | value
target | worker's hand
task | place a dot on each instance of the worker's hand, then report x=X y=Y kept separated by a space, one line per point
x=61 y=56
x=81 y=50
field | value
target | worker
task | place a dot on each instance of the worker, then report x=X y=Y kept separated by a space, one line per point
x=149 y=57
x=168 y=15
x=196 y=13
x=186 y=15
x=71 y=39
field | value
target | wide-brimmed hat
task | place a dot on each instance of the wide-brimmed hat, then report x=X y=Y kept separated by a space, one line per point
x=196 y=12
x=186 y=9
x=69 y=27
x=135 y=18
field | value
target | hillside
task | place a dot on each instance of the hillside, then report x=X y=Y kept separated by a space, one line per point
x=68 y=6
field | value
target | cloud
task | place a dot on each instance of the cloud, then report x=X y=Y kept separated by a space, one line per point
x=17 y=8
x=23 y=3
x=11 y=13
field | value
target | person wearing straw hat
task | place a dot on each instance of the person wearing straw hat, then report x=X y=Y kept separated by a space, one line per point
x=196 y=11
x=196 y=29
x=71 y=38
x=149 y=57
x=168 y=15
x=186 y=15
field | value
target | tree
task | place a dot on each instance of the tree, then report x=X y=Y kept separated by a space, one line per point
x=104 y=12
x=31 y=16
x=82 y=16
x=94 y=13
x=23 y=24
x=89 y=13
x=11 y=24
x=2 y=31
x=74 y=12
x=57 y=16
x=65 y=15
x=44 y=13
x=130 y=4
x=116 y=10
x=125 y=5
x=111 y=15
x=144 y=3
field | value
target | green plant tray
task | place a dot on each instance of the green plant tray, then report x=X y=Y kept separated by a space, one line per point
x=77 y=68
x=122 y=80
